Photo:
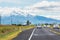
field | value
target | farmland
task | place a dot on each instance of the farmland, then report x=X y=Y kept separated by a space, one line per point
x=7 y=32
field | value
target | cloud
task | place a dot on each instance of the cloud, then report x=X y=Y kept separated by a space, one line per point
x=45 y=8
x=10 y=1
x=53 y=17
x=45 y=4
x=6 y=11
x=50 y=9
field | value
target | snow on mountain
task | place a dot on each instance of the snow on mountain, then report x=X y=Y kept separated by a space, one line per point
x=18 y=18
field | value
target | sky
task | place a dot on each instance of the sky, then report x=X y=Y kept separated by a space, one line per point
x=46 y=8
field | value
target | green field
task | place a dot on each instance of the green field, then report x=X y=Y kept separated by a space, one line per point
x=7 y=32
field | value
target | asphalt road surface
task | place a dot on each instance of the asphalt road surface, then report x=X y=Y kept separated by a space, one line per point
x=37 y=34
x=24 y=35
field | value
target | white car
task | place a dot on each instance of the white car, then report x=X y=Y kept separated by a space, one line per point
x=56 y=26
x=39 y=27
x=44 y=26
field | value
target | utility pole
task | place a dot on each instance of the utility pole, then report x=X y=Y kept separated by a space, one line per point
x=11 y=19
x=0 y=18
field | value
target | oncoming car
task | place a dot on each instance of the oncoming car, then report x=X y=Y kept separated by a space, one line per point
x=39 y=27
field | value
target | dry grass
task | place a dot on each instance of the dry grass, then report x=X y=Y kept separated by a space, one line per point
x=7 y=32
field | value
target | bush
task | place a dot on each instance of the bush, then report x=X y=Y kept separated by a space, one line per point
x=19 y=25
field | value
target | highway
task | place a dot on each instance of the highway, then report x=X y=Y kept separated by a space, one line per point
x=37 y=34
x=43 y=34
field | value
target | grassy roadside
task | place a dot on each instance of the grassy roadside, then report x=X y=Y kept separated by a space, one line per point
x=58 y=33
x=10 y=36
x=52 y=30
x=9 y=32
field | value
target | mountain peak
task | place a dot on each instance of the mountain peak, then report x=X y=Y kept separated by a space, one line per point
x=17 y=19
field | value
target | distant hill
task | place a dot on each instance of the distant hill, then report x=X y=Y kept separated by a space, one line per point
x=21 y=19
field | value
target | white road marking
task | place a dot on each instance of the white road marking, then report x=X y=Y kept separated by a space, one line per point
x=31 y=34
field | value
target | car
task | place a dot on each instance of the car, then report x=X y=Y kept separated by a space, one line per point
x=44 y=26
x=56 y=27
x=39 y=27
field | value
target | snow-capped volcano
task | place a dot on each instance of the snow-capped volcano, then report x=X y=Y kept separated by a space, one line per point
x=20 y=18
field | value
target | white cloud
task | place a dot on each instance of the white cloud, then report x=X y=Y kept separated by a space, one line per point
x=45 y=4
x=45 y=8
x=53 y=17
x=6 y=11
x=11 y=1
